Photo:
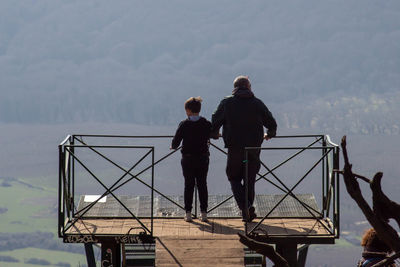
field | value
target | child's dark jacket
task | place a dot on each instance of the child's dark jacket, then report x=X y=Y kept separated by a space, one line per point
x=195 y=136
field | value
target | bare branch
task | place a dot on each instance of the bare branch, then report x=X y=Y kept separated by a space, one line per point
x=387 y=260
x=383 y=207
x=365 y=179
x=264 y=249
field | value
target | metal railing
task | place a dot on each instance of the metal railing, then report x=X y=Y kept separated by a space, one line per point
x=68 y=160
x=329 y=161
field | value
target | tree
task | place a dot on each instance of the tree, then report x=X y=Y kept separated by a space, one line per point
x=382 y=209
x=263 y=249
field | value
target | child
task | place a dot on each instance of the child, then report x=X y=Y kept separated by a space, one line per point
x=195 y=133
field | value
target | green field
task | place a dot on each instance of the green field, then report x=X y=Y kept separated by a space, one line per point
x=53 y=257
x=30 y=208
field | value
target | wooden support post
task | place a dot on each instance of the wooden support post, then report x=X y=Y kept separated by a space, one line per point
x=289 y=252
x=91 y=262
x=110 y=254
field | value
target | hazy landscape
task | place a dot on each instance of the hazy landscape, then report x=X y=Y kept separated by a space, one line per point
x=126 y=67
x=29 y=188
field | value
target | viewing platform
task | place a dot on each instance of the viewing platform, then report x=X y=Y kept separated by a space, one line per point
x=126 y=224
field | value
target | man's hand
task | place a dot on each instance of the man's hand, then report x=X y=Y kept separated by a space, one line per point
x=216 y=135
x=266 y=137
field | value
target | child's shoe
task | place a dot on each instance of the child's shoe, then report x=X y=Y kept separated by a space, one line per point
x=188 y=217
x=203 y=217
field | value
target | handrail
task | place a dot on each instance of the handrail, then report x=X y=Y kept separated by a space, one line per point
x=327 y=149
x=67 y=175
x=328 y=139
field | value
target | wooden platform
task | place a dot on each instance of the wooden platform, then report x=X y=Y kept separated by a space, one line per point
x=214 y=229
x=213 y=243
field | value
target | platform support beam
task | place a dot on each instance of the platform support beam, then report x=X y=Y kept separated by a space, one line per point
x=91 y=262
x=289 y=252
x=301 y=262
x=110 y=254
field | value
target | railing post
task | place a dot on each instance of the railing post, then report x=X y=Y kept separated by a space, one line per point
x=325 y=178
x=195 y=200
x=246 y=188
x=71 y=174
x=152 y=191
x=337 y=210
x=60 y=193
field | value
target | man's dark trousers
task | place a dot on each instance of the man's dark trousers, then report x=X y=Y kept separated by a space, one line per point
x=195 y=169
x=236 y=172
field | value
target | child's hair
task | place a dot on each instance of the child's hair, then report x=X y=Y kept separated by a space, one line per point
x=371 y=240
x=193 y=104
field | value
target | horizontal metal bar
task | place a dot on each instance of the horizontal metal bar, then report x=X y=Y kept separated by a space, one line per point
x=299 y=136
x=289 y=148
x=106 y=235
x=123 y=136
x=170 y=136
x=104 y=146
x=299 y=235
x=180 y=217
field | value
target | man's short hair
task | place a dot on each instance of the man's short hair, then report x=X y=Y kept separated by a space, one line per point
x=193 y=104
x=242 y=81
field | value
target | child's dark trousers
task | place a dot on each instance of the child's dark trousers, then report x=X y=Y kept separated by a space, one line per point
x=195 y=169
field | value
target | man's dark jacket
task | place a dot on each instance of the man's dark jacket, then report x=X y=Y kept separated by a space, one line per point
x=243 y=116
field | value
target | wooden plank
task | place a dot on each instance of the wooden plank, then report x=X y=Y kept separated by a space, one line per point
x=203 y=243
x=195 y=252
x=231 y=263
x=291 y=227
x=216 y=252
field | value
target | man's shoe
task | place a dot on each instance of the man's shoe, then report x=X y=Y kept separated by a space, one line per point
x=203 y=217
x=252 y=214
x=188 y=217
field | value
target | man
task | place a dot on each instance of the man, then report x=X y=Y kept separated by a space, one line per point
x=243 y=117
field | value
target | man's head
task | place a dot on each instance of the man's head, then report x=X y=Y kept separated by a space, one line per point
x=193 y=105
x=242 y=81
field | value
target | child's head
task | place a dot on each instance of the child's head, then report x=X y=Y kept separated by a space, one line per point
x=193 y=105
